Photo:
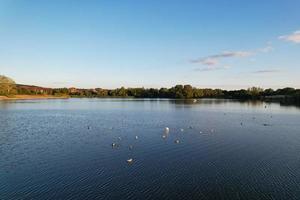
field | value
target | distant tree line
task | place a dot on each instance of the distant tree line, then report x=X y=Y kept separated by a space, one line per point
x=8 y=87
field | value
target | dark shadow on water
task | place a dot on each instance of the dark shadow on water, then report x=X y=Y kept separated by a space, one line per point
x=252 y=103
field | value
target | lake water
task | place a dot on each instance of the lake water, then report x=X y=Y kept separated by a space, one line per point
x=62 y=149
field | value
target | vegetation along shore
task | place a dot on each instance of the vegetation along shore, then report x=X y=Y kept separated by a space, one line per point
x=10 y=90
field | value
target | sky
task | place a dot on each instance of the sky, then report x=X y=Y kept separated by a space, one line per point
x=228 y=44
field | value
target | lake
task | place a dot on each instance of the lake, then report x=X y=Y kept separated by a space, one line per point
x=215 y=149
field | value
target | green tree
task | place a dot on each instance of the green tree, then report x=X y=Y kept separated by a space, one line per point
x=7 y=86
x=255 y=91
x=179 y=92
x=188 y=91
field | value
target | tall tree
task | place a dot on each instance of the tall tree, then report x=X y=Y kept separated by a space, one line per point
x=188 y=91
x=7 y=86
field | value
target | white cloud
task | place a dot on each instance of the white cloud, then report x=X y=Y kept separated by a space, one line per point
x=294 y=37
x=266 y=49
x=209 y=61
x=212 y=68
x=212 y=62
x=234 y=54
x=214 y=59
x=266 y=71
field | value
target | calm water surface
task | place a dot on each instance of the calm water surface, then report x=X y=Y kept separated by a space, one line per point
x=62 y=149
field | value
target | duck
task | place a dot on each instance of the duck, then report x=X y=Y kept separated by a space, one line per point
x=130 y=160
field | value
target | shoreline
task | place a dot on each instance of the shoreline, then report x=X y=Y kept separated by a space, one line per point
x=32 y=97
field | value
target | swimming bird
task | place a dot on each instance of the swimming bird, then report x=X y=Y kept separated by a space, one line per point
x=114 y=145
x=177 y=141
x=136 y=137
x=130 y=160
x=266 y=124
x=167 y=130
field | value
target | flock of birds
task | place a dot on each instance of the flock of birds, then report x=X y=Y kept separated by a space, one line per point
x=130 y=160
x=164 y=136
x=166 y=133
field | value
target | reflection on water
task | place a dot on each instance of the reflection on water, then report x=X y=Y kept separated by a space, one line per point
x=213 y=149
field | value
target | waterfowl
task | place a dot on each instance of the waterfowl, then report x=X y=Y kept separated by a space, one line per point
x=167 y=129
x=114 y=145
x=176 y=141
x=136 y=137
x=130 y=160
x=266 y=124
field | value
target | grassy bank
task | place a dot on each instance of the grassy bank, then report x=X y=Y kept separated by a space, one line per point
x=24 y=97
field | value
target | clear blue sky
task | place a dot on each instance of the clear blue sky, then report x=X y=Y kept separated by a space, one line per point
x=159 y=43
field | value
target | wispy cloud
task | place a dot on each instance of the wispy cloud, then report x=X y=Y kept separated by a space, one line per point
x=293 y=37
x=213 y=62
x=214 y=59
x=211 y=68
x=207 y=61
x=268 y=48
x=266 y=71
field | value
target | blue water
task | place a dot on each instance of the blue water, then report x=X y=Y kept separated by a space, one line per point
x=62 y=149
